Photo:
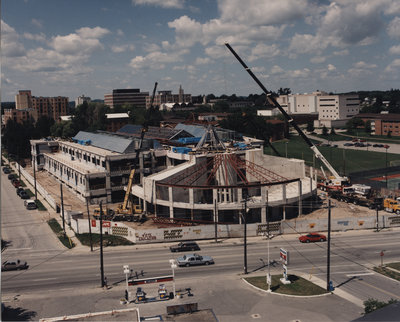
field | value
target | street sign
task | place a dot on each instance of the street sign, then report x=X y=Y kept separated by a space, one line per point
x=93 y=222
x=106 y=224
x=284 y=256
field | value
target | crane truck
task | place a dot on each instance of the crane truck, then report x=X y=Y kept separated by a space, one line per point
x=334 y=182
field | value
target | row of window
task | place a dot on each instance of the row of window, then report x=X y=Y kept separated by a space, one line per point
x=84 y=156
x=66 y=171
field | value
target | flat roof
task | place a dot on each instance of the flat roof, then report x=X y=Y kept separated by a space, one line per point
x=79 y=166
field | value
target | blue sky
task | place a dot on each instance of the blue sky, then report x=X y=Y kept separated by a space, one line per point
x=75 y=47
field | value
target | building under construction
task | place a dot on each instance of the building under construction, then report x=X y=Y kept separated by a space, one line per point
x=179 y=175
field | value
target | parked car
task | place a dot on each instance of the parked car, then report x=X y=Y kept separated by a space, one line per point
x=312 y=237
x=194 y=259
x=348 y=144
x=6 y=170
x=18 y=190
x=185 y=246
x=11 y=265
x=11 y=176
x=30 y=204
x=375 y=145
x=24 y=195
x=16 y=183
x=386 y=146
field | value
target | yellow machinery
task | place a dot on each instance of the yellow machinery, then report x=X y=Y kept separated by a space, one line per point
x=391 y=205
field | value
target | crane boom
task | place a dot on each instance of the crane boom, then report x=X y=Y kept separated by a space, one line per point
x=290 y=120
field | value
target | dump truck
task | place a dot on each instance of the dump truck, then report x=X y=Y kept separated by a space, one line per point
x=391 y=205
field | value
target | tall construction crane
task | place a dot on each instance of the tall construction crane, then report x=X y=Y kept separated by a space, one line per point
x=335 y=182
x=135 y=209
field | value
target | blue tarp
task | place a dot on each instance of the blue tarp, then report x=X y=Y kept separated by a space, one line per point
x=189 y=140
x=180 y=149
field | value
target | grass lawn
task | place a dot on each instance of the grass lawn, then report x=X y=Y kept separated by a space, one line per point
x=394 y=265
x=299 y=285
x=108 y=240
x=344 y=161
x=55 y=226
x=387 y=272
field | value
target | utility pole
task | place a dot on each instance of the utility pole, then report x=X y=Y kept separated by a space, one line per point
x=244 y=217
x=62 y=206
x=90 y=226
x=215 y=221
x=34 y=176
x=377 y=218
x=328 y=257
x=101 y=246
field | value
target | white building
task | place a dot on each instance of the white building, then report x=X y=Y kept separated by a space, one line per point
x=332 y=110
x=81 y=99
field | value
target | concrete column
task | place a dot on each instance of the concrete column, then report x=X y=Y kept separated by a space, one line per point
x=300 y=199
x=171 y=203
x=263 y=204
x=284 y=200
x=215 y=198
x=108 y=181
x=191 y=202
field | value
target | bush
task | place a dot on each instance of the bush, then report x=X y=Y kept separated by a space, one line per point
x=371 y=305
x=108 y=240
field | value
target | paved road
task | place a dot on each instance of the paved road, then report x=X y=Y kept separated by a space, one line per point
x=24 y=230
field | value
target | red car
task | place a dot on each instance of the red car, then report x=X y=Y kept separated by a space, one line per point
x=312 y=237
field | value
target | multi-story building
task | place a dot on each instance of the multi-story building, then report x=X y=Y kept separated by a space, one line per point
x=28 y=106
x=18 y=116
x=81 y=99
x=333 y=110
x=131 y=96
x=114 y=121
x=382 y=124
x=164 y=97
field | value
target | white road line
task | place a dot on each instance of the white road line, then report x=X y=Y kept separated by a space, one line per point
x=45 y=279
x=18 y=249
x=362 y=274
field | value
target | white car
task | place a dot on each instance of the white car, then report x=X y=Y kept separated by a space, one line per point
x=194 y=259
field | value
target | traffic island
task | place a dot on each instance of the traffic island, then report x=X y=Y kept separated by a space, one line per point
x=391 y=270
x=298 y=286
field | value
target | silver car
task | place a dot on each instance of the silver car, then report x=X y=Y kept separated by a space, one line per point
x=11 y=265
x=194 y=259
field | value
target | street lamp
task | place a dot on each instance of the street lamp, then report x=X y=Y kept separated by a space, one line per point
x=173 y=266
x=126 y=272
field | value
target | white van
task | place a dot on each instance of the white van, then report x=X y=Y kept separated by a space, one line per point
x=30 y=204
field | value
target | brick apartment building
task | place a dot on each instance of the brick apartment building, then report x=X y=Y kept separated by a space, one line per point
x=32 y=107
x=382 y=124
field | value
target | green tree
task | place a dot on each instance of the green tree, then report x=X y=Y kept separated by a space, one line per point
x=368 y=128
x=310 y=126
x=324 y=131
x=333 y=132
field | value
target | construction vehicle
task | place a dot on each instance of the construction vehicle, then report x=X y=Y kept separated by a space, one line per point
x=127 y=210
x=334 y=182
x=108 y=214
x=350 y=195
x=391 y=205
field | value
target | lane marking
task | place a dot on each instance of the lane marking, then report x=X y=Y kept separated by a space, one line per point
x=362 y=274
x=45 y=279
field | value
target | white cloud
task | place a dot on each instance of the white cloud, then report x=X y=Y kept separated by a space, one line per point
x=120 y=32
x=361 y=68
x=394 y=50
x=307 y=43
x=202 y=61
x=156 y=60
x=393 y=67
x=10 y=43
x=262 y=50
x=300 y=73
x=84 y=41
x=276 y=70
x=178 y=4
x=262 y=12
x=394 y=28
x=122 y=48
x=37 y=23
x=331 y=67
x=343 y=52
x=37 y=37
x=317 y=59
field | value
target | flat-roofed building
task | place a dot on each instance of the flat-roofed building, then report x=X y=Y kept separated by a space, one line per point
x=131 y=96
x=165 y=97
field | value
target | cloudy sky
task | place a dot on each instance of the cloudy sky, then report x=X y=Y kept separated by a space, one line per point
x=75 y=47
